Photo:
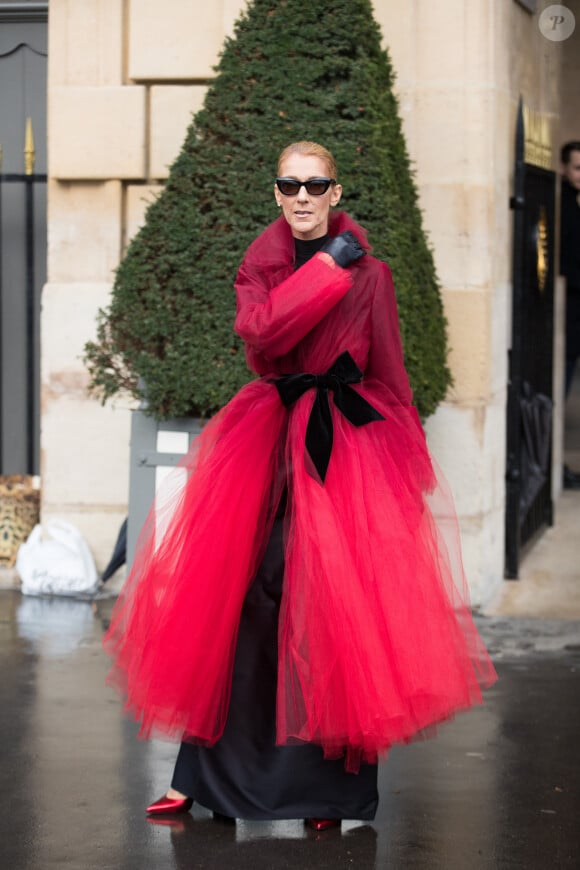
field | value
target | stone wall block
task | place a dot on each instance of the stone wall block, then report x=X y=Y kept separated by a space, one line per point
x=398 y=33
x=453 y=139
x=406 y=97
x=84 y=228
x=172 y=110
x=138 y=199
x=504 y=132
x=439 y=36
x=524 y=46
x=68 y=319
x=97 y=133
x=86 y=42
x=483 y=545
x=174 y=40
x=453 y=42
x=495 y=451
x=478 y=41
x=84 y=446
x=232 y=9
x=445 y=222
x=459 y=224
x=500 y=308
x=503 y=38
x=475 y=472
x=468 y=313
x=89 y=463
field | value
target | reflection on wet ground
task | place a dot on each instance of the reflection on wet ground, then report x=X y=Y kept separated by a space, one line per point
x=498 y=788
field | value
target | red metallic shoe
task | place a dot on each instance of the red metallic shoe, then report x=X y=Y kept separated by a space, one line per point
x=167 y=806
x=322 y=824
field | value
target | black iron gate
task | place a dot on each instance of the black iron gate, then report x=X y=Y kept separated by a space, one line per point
x=23 y=65
x=26 y=183
x=529 y=424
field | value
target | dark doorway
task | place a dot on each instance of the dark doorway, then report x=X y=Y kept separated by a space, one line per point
x=529 y=425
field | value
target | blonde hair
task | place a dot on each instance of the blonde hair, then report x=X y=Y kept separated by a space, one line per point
x=309 y=149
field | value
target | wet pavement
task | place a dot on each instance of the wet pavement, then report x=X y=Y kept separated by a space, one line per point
x=498 y=788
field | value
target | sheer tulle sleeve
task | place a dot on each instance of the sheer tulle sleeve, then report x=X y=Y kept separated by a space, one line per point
x=274 y=321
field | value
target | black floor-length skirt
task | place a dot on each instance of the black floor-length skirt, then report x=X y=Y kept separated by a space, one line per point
x=245 y=775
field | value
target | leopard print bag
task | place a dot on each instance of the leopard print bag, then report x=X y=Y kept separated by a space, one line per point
x=19 y=513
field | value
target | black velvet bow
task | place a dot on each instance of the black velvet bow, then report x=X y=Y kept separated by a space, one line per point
x=320 y=432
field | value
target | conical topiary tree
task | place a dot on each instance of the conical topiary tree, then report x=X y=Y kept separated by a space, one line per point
x=292 y=70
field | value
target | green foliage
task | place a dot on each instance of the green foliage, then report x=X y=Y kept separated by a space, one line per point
x=293 y=70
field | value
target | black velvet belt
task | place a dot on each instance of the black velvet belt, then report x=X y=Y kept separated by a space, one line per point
x=320 y=432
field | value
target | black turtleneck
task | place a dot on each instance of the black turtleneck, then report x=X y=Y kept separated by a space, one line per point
x=306 y=248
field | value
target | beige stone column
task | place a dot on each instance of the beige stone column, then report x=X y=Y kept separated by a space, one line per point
x=570 y=76
x=446 y=81
x=461 y=68
x=125 y=77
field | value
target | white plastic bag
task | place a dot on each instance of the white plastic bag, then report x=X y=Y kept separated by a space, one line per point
x=56 y=563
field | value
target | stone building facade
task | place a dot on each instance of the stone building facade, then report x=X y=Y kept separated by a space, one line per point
x=125 y=77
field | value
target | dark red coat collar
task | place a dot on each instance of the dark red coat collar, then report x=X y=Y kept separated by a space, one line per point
x=275 y=246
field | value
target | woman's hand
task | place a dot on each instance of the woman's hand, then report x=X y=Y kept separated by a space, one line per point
x=344 y=249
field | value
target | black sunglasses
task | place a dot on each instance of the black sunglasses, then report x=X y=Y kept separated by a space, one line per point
x=314 y=186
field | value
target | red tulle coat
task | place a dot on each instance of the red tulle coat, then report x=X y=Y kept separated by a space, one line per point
x=376 y=640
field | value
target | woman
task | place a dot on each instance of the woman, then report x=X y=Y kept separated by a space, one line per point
x=293 y=610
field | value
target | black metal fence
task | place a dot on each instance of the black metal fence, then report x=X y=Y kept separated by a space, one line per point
x=23 y=237
x=26 y=184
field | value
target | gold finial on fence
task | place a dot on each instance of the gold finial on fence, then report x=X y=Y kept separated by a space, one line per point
x=29 y=152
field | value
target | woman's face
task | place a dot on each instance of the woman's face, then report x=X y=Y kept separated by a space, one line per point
x=307 y=214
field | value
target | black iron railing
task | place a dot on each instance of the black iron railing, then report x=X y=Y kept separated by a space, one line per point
x=28 y=181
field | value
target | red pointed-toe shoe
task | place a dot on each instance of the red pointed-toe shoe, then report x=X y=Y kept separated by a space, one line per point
x=167 y=806
x=322 y=824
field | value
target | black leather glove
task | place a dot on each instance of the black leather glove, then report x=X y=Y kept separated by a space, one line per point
x=344 y=249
